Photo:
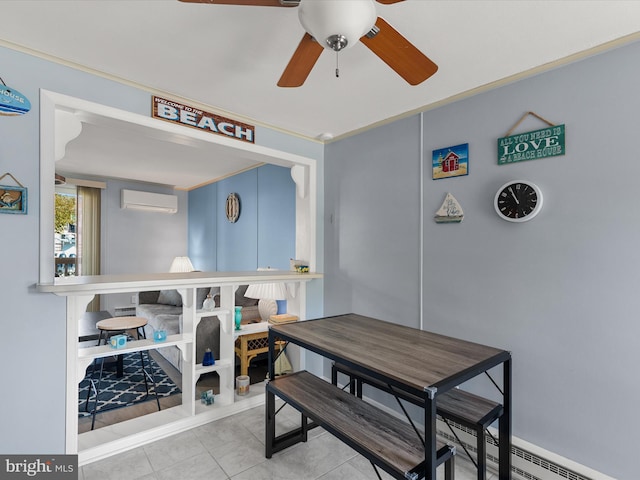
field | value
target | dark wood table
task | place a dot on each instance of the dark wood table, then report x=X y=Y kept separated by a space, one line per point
x=418 y=362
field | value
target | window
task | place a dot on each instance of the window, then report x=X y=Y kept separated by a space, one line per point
x=77 y=233
x=66 y=214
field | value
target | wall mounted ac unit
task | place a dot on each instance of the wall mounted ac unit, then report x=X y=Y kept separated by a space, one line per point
x=151 y=202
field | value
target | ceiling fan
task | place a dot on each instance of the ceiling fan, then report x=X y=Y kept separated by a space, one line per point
x=339 y=24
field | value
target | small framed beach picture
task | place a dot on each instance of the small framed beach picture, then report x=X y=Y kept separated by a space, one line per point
x=13 y=199
x=450 y=161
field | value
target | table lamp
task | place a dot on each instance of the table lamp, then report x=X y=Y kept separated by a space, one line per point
x=267 y=294
x=181 y=264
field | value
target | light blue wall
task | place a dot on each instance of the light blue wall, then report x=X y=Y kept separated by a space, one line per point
x=32 y=414
x=203 y=228
x=237 y=243
x=315 y=150
x=276 y=217
x=558 y=291
x=372 y=223
x=34 y=330
x=263 y=236
x=135 y=241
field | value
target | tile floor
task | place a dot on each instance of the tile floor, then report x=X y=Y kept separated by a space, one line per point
x=233 y=448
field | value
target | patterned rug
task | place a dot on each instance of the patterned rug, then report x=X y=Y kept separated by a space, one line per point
x=127 y=390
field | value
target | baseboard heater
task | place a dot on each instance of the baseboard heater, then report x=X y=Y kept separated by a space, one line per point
x=148 y=201
x=526 y=465
x=528 y=461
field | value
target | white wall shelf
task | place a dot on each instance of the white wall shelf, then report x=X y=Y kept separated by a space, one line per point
x=133 y=346
x=219 y=365
x=212 y=313
x=251 y=328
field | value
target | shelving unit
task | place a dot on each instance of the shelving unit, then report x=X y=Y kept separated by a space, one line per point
x=79 y=291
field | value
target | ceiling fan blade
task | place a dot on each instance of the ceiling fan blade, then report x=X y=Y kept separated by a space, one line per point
x=389 y=2
x=258 y=3
x=301 y=63
x=400 y=54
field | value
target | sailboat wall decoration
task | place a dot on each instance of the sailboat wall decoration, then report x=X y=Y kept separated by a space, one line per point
x=450 y=211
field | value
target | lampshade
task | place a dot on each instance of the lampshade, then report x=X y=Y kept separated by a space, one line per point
x=269 y=291
x=337 y=24
x=181 y=264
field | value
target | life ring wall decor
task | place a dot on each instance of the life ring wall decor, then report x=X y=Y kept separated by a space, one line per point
x=232 y=207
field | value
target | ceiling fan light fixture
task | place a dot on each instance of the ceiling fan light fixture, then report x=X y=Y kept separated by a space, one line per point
x=337 y=42
x=337 y=24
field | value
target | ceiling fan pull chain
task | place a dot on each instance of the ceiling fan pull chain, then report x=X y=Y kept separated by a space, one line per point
x=337 y=66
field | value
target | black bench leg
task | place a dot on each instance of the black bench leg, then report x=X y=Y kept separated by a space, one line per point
x=449 y=468
x=304 y=429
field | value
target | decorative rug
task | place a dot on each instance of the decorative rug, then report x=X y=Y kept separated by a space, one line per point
x=126 y=390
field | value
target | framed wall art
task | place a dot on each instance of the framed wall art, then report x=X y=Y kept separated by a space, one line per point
x=450 y=161
x=542 y=143
x=13 y=199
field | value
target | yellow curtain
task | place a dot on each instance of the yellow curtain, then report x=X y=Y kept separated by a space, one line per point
x=88 y=237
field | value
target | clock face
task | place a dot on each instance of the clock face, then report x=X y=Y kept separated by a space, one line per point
x=518 y=201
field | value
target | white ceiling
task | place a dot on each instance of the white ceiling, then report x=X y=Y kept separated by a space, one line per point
x=229 y=58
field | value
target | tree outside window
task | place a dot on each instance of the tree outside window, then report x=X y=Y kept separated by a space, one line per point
x=65 y=233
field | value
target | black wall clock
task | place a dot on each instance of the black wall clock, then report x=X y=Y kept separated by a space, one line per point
x=518 y=201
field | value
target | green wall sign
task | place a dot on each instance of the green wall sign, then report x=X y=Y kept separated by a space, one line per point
x=546 y=142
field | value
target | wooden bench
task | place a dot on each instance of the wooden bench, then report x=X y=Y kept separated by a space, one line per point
x=465 y=408
x=386 y=441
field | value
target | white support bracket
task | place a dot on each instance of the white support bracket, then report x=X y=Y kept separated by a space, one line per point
x=68 y=127
x=301 y=179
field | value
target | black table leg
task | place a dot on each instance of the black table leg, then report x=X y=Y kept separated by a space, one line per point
x=270 y=427
x=430 y=433
x=504 y=425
